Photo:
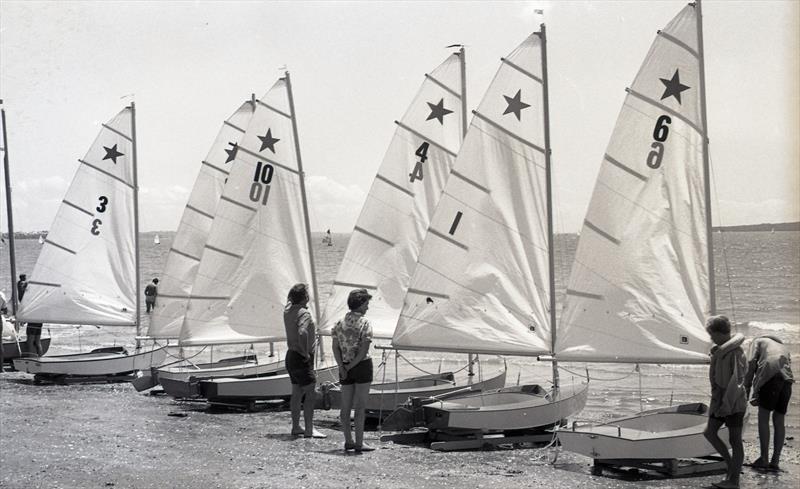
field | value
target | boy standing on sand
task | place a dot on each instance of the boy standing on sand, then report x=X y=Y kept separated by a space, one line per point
x=769 y=374
x=728 y=396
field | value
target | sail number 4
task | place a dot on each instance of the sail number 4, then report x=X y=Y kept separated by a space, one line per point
x=259 y=190
x=100 y=208
x=660 y=134
x=422 y=152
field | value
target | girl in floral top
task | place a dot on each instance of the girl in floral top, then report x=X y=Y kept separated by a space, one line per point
x=352 y=337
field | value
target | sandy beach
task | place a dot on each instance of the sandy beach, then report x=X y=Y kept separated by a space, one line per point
x=108 y=435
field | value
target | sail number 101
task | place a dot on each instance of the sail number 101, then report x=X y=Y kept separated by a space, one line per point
x=660 y=134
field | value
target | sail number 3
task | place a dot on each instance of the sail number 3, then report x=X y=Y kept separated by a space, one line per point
x=259 y=190
x=101 y=208
x=422 y=152
x=660 y=134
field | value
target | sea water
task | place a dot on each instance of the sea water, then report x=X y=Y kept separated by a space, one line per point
x=757 y=285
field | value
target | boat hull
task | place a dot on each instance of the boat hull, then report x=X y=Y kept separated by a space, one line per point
x=182 y=382
x=277 y=386
x=669 y=433
x=384 y=398
x=526 y=407
x=100 y=362
x=11 y=351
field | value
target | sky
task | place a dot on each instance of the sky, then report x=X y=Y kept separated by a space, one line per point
x=66 y=67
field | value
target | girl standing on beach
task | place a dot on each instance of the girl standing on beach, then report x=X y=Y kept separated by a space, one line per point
x=352 y=337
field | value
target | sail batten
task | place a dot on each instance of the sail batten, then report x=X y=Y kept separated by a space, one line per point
x=640 y=289
x=383 y=248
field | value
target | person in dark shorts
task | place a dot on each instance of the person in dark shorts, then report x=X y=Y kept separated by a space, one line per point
x=33 y=340
x=301 y=339
x=728 y=396
x=150 y=295
x=352 y=337
x=769 y=379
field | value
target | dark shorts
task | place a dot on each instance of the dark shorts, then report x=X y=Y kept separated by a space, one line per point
x=301 y=371
x=360 y=374
x=735 y=420
x=34 y=329
x=775 y=394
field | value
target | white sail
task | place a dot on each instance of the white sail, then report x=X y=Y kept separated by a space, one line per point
x=257 y=248
x=183 y=258
x=383 y=249
x=482 y=283
x=156 y=240
x=639 y=287
x=86 y=271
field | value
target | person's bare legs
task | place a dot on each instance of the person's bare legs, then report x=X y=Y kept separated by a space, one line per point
x=712 y=435
x=763 y=437
x=348 y=390
x=309 y=398
x=359 y=405
x=780 y=434
x=737 y=457
x=37 y=342
x=294 y=406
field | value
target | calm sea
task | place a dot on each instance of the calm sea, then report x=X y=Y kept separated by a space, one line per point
x=758 y=284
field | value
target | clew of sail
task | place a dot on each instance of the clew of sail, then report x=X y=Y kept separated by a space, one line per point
x=183 y=258
x=383 y=249
x=482 y=282
x=639 y=287
x=257 y=247
x=86 y=272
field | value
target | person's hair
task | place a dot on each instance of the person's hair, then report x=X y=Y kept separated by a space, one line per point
x=22 y=276
x=718 y=324
x=357 y=298
x=298 y=294
x=155 y=280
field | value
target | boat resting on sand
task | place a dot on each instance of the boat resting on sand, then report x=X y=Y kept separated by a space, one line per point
x=658 y=434
x=525 y=407
x=183 y=381
x=384 y=398
x=13 y=349
x=101 y=362
x=242 y=391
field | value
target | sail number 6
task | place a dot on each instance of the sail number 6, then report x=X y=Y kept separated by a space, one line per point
x=259 y=189
x=660 y=134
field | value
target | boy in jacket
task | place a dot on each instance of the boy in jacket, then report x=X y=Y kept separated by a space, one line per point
x=728 y=396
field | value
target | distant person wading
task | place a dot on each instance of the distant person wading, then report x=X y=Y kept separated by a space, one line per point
x=150 y=294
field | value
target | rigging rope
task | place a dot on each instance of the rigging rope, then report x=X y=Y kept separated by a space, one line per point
x=724 y=249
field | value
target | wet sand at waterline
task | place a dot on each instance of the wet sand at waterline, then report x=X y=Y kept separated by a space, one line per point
x=108 y=435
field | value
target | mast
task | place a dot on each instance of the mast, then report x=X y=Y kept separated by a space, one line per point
x=136 y=225
x=10 y=214
x=706 y=166
x=303 y=196
x=549 y=184
x=463 y=57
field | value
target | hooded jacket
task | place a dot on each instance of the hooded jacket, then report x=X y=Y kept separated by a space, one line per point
x=727 y=375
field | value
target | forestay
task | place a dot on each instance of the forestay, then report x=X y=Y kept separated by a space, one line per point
x=257 y=248
x=183 y=259
x=86 y=272
x=482 y=283
x=383 y=249
x=639 y=287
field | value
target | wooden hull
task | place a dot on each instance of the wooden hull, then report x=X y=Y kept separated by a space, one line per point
x=385 y=398
x=669 y=433
x=11 y=351
x=181 y=382
x=244 y=390
x=100 y=362
x=526 y=407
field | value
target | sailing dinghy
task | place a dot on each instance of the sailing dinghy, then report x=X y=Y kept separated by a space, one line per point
x=183 y=260
x=87 y=270
x=642 y=284
x=383 y=249
x=258 y=247
x=484 y=282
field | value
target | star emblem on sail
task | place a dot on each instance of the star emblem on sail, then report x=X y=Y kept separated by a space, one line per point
x=673 y=86
x=267 y=141
x=515 y=105
x=383 y=248
x=112 y=153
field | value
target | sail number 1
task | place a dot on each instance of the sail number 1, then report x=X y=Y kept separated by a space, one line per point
x=660 y=134
x=259 y=189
